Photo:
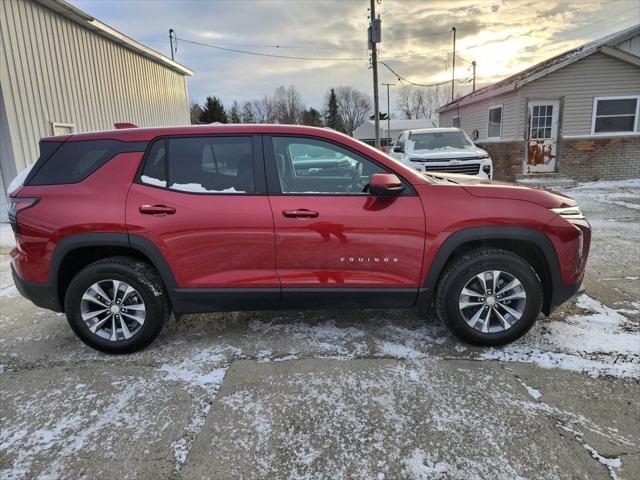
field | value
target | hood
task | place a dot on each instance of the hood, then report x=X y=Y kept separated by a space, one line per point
x=449 y=153
x=484 y=188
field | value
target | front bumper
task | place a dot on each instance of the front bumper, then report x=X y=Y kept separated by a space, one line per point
x=563 y=294
x=42 y=295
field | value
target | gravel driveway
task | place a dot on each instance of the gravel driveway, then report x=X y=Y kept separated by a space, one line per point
x=352 y=394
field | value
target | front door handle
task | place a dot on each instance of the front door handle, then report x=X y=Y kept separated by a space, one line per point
x=300 y=213
x=158 y=210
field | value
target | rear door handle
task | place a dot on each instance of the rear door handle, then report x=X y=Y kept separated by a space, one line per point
x=158 y=210
x=300 y=213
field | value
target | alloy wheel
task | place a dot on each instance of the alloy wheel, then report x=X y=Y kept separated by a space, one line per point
x=492 y=301
x=113 y=310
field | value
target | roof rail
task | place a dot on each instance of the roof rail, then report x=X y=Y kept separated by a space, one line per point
x=122 y=125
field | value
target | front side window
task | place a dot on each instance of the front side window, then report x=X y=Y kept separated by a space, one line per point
x=615 y=115
x=201 y=165
x=494 y=129
x=313 y=166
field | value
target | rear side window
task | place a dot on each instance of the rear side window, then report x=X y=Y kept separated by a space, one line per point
x=72 y=162
x=201 y=165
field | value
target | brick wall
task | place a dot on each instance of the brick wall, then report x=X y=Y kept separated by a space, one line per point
x=612 y=158
x=507 y=158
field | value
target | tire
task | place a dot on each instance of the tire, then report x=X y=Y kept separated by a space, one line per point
x=138 y=285
x=458 y=311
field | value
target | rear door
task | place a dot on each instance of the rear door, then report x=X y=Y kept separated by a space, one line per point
x=337 y=245
x=202 y=202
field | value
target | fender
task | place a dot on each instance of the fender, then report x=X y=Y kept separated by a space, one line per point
x=135 y=242
x=474 y=234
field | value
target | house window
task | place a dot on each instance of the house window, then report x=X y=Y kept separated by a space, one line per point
x=615 y=114
x=494 y=129
x=456 y=122
x=58 y=128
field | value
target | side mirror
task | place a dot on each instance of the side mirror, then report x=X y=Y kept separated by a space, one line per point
x=398 y=149
x=385 y=185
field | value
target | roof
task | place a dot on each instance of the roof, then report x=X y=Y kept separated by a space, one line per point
x=87 y=21
x=435 y=130
x=605 y=45
x=138 y=134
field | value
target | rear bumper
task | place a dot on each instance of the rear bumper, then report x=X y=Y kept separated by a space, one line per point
x=42 y=295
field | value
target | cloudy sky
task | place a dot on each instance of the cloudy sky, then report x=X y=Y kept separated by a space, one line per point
x=502 y=36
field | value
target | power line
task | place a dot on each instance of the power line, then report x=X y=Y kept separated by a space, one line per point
x=272 y=55
x=401 y=78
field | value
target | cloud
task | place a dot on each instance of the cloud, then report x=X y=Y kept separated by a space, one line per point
x=500 y=37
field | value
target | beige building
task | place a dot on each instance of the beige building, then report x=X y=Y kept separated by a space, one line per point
x=574 y=115
x=63 y=71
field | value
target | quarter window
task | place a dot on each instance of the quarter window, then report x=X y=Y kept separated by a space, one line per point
x=312 y=166
x=615 y=115
x=494 y=129
x=201 y=165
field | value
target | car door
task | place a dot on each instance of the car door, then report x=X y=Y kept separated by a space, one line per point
x=336 y=244
x=202 y=203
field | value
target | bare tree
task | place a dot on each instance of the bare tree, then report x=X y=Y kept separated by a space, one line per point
x=248 y=116
x=265 y=111
x=195 y=110
x=421 y=102
x=288 y=105
x=354 y=107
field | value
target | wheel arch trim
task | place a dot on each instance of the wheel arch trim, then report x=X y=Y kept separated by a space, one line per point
x=492 y=233
x=109 y=239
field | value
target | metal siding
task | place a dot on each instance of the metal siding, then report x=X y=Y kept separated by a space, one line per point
x=476 y=117
x=598 y=75
x=54 y=70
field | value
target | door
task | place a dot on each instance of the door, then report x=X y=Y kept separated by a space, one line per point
x=336 y=244
x=542 y=136
x=202 y=202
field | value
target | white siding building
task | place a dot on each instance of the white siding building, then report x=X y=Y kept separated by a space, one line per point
x=63 y=71
x=576 y=114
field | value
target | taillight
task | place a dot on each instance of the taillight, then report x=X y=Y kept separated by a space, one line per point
x=17 y=205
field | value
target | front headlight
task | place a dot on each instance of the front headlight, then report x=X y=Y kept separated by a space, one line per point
x=569 y=212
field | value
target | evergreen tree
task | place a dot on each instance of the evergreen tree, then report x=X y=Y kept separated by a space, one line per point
x=333 y=119
x=213 y=111
x=311 y=117
x=234 y=113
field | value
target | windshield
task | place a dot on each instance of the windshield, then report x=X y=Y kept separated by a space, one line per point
x=437 y=140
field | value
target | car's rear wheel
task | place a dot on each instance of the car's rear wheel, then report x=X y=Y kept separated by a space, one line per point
x=489 y=297
x=117 y=305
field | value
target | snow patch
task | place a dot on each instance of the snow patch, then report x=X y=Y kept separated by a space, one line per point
x=196 y=187
x=19 y=180
x=153 y=181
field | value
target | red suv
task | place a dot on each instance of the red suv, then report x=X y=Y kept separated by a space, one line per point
x=120 y=228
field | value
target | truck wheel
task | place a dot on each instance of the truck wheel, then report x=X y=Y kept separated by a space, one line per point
x=489 y=297
x=117 y=305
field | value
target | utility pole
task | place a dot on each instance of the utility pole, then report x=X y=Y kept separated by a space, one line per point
x=172 y=34
x=375 y=36
x=473 y=64
x=453 y=69
x=388 y=113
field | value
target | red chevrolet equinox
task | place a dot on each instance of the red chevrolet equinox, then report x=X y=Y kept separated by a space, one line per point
x=119 y=228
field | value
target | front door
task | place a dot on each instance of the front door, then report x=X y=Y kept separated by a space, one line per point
x=542 y=136
x=201 y=202
x=336 y=244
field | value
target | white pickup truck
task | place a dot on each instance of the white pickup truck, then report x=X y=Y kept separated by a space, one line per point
x=447 y=150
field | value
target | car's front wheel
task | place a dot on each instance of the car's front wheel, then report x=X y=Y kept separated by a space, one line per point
x=489 y=297
x=117 y=305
